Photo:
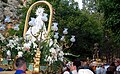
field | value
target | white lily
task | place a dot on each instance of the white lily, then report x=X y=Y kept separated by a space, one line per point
x=62 y=38
x=65 y=31
x=72 y=39
x=20 y=54
x=49 y=59
x=18 y=48
x=2 y=27
x=50 y=43
x=61 y=58
x=54 y=27
x=61 y=53
x=56 y=35
x=9 y=53
x=16 y=27
x=27 y=45
x=52 y=50
x=7 y=19
x=34 y=45
x=1 y=37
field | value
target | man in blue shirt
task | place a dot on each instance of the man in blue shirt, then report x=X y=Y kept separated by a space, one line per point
x=1 y=69
x=21 y=66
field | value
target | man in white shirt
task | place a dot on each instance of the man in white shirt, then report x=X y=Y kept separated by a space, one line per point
x=80 y=71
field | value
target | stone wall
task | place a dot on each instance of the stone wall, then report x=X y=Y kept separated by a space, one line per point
x=8 y=8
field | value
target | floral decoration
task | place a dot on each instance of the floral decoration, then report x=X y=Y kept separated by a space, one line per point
x=50 y=44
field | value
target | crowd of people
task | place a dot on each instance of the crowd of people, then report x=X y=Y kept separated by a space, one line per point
x=85 y=67
x=78 y=67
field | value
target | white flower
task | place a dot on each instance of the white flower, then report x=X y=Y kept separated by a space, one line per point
x=50 y=43
x=52 y=50
x=1 y=37
x=18 y=48
x=62 y=38
x=16 y=27
x=17 y=38
x=11 y=41
x=2 y=27
x=61 y=58
x=56 y=35
x=8 y=53
x=72 y=39
x=32 y=22
x=44 y=17
x=20 y=54
x=46 y=56
x=55 y=44
x=7 y=19
x=35 y=50
x=27 y=45
x=34 y=45
x=49 y=59
x=54 y=27
x=39 y=11
x=65 y=31
x=11 y=44
x=61 y=53
x=59 y=48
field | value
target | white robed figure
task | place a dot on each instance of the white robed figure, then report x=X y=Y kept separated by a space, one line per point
x=37 y=26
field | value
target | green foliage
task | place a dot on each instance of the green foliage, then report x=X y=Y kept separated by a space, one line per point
x=110 y=8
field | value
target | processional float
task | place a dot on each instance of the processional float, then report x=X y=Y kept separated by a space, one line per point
x=36 y=67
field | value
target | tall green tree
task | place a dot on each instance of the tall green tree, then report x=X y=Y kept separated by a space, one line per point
x=111 y=9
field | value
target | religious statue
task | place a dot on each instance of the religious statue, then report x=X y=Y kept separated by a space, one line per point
x=37 y=30
x=96 y=51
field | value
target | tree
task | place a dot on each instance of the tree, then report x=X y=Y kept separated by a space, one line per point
x=110 y=8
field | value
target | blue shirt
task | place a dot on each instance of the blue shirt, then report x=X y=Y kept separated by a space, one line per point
x=1 y=69
x=19 y=72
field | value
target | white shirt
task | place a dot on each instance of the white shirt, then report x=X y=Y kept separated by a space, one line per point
x=73 y=72
x=85 y=71
x=118 y=68
x=81 y=71
x=66 y=72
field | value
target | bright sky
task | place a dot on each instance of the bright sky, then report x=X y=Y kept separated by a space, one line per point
x=79 y=3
